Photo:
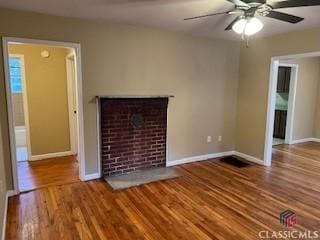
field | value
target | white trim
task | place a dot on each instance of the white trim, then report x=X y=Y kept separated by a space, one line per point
x=71 y=77
x=80 y=123
x=299 y=55
x=167 y=134
x=9 y=193
x=10 y=115
x=17 y=40
x=271 y=112
x=195 y=159
x=271 y=101
x=98 y=105
x=12 y=193
x=50 y=155
x=213 y=156
x=291 y=100
x=249 y=158
x=303 y=140
x=198 y=158
x=93 y=176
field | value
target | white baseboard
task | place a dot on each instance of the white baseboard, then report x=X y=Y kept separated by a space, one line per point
x=93 y=176
x=9 y=193
x=249 y=158
x=12 y=193
x=50 y=155
x=198 y=158
x=305 y=140
x=4 y=222
x=212 y=156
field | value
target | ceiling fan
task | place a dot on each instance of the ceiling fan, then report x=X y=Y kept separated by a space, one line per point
x=246 y=23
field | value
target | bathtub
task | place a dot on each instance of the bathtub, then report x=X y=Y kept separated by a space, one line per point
x=21 y=136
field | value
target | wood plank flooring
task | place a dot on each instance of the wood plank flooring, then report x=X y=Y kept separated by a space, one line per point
x=211 y=200
x=55 y=171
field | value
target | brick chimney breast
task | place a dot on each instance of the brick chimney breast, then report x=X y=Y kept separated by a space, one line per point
x=133 y=134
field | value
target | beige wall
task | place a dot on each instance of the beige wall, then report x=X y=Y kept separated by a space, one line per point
x=305 y=109
x=202 y=74
x=254 y=84
x=46 y=82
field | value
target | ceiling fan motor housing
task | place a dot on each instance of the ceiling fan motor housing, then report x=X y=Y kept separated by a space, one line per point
x=257 y=6
x=264 y=10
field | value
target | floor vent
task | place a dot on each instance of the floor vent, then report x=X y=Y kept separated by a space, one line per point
x=234 y=161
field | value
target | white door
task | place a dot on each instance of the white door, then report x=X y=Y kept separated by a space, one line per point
x=72 y=99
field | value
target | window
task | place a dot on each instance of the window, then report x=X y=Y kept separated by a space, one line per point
x=15 y=74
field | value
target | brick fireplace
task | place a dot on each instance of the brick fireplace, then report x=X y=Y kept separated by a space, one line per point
x=133 y=134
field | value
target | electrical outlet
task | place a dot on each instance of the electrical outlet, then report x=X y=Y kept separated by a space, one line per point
x=209 y=139
x=220 y=138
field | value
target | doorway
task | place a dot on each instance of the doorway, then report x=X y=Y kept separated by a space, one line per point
x=20 y=108
x=300 y=120
x=284 y=103
x=44 y=112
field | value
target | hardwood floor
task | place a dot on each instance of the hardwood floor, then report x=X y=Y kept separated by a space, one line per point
x=309 y=150
x=44 y=173
x=211 y=200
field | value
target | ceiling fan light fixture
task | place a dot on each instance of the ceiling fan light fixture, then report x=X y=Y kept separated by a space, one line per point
x=254 y=26
x=239 y=26
x=247 y=26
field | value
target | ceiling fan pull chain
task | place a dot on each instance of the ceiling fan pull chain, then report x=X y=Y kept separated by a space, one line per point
x=243 y=35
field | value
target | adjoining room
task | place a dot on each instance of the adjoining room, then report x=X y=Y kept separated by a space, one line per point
x=297 y=95
x=44 y=111
x=285 y=78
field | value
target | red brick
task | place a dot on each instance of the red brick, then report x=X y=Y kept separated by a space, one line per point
x=125 y=149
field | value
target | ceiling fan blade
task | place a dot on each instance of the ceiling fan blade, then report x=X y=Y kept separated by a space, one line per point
x=207 y=15
x=238 y=3
x=294 y=3
x=284 y=17
x=229 y=27
x=254 y=1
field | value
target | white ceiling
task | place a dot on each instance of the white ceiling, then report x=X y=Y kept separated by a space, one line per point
x=164 y=14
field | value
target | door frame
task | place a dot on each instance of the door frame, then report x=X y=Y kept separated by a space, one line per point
x=25 y=101
x=80 y=128
x=275 y=61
